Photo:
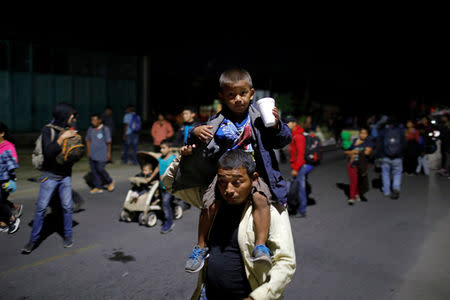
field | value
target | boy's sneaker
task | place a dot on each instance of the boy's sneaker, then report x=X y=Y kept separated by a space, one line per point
x=351 y=201
x=96 y=191
x=18 y=211
x=14 y=226
x=111 y=186
x=395 y=194
x=67 y=242
x=261 y=253
x=196 y=259
x=28 y=248
x=167 y=227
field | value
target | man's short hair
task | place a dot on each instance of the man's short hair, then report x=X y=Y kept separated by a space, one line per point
x=235 y=159
x=97 y=115
x=234 y=75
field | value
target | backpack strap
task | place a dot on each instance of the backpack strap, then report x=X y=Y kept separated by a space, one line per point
x=215 y=123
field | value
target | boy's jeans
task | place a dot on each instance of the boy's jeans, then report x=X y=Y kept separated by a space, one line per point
x=396 y=166
x=47 y=188
x=302 y=177
x=132 y=140
x=99 y=173
x=167 y=206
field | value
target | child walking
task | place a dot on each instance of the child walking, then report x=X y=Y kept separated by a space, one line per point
x=241 y=128
x=8 y=165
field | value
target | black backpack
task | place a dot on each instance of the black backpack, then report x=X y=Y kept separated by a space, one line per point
x=313 y=149
x=392 y=142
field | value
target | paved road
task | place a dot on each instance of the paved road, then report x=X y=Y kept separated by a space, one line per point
x=380 y=249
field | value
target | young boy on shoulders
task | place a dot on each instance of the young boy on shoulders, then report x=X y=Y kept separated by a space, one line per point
x=241 y=128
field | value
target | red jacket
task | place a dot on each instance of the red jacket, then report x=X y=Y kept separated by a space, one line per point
x=297 y=149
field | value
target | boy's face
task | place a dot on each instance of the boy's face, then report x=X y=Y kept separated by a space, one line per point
x=147 y=170
x=235 y=185
x=237 y=96
x=188 y=116
x=165 y=149
x=95 y=121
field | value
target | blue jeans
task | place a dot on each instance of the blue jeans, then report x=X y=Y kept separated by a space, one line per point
x=47 y=188
x=395 y=166
x=167 y=206
x=131 y=140
x=99 y=173
x=302 y=179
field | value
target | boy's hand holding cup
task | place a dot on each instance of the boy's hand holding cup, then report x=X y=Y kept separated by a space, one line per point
x=269 y=113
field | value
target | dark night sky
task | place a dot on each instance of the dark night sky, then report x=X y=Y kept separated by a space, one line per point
x=378 y=69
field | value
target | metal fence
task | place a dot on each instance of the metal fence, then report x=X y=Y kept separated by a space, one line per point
x=27 y=98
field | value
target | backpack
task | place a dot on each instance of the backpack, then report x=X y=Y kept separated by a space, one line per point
x=72 y=150
x=135 y=123
x=37 y=157
x=199 y=168
x=293 y=201
x=392 y=146
x=313 y=149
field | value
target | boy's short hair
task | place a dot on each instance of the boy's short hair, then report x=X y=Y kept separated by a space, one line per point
x=166 y=142
x=147 y=164
x=235 y=159
x=234 y=75
x=190 y=108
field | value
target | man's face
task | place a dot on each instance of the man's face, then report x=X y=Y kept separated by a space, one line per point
x=108 y=112
x=292 y=125
x=237 y=96
x=235 y=185
x=188 y=116
x=95 y=121
x=165 y=149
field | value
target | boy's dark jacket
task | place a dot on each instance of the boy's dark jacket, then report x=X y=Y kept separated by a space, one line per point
x=200 y=168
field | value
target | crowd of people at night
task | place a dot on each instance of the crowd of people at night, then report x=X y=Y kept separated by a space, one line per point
x=240 y=185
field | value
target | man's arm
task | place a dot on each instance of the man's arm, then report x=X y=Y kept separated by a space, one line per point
x=281 y=244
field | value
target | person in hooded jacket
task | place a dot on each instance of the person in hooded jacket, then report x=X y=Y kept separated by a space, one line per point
x=54 y=176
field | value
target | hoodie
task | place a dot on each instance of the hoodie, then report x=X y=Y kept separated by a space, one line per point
x=50 y=148
x=297 y=148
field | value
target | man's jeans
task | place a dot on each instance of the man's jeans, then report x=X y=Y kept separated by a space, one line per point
x=396 y=166
x=302 y=178
x=101 y=177
x=131 y=140
x=167 y=206
x=48 y=186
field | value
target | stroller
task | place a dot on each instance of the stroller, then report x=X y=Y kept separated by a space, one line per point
x=147 y=208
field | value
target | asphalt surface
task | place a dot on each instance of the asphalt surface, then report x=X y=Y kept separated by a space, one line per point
x=380 y=249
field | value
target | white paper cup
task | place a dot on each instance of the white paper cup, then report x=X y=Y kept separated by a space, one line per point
x=265 y=107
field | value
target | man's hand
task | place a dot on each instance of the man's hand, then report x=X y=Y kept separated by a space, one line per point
x=66 y=135
x=294 y=173
x=187 y=150
x=203 y=132
x=277 y=118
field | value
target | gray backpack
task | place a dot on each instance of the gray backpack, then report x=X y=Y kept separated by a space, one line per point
x=37 y=157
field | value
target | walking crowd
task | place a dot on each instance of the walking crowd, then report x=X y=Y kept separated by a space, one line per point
x=245 y=247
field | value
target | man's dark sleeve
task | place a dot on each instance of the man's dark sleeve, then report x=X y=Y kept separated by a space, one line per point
x=50 y=148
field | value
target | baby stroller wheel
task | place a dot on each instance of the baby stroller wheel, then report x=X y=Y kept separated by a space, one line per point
x=141 y=219
x=125 y=216
x=177 y=212
x=151 y=220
